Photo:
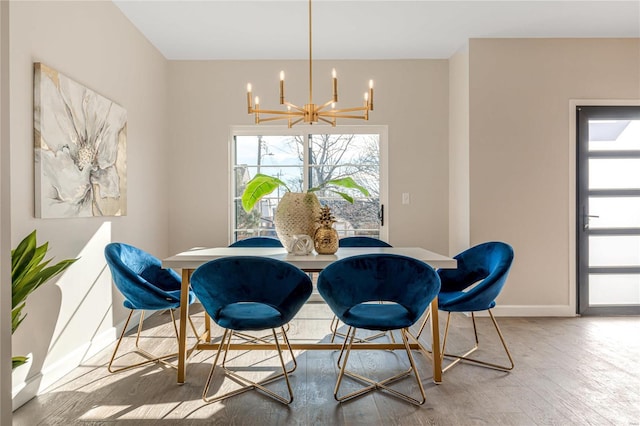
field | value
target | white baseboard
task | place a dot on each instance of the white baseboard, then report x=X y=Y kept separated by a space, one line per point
x=534 y=311
x=25 y=390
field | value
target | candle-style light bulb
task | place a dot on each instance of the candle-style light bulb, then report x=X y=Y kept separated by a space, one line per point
x=257 y=101
x=281 y=87
x=249 y=110
x=371 y=95
x=335 y=85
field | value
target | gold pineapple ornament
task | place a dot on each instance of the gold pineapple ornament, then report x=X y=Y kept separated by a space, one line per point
x=326 y=237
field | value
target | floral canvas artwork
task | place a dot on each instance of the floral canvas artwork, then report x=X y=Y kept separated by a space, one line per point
x=80 y=149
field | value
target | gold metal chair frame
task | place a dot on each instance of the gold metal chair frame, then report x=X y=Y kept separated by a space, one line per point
x=151 y=359
x=465 y=356
x=335 y=322
x=250 y=385
x=373 y=385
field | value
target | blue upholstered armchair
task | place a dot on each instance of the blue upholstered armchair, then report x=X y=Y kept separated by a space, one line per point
x=354 y=287
x=146 y=286
x=472 y=287
x=257 y=242
x=359 y=241
x=243 y=293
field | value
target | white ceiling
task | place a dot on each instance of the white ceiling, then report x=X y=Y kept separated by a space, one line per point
x=364 y=29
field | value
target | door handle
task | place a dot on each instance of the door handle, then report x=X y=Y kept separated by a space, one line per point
x=585 y=221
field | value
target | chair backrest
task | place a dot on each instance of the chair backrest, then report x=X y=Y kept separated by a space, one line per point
x=362 y=242
x=140 y=278
x=237 y=279
x=257 y=242
x=376 y=278
x=486 y=265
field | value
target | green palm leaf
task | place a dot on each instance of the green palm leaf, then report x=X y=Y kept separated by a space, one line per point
x=257 y=188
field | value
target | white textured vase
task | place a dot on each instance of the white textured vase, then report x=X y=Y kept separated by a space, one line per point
x=297 y=213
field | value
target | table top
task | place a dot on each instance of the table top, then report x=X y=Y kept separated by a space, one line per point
x=193 y=258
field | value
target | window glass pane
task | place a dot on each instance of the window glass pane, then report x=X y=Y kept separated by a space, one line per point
x=614 y=250
x=255 y=223
x=334 y=156
x=614 y=135
x=622 y=289
x=328 y=156
x=267 y=150
x=614 y=212
x=607 y=173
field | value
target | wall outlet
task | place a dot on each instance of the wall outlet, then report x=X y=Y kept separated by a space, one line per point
x=405 y=198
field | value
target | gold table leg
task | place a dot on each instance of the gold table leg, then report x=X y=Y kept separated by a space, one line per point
x=435 y=345
x=182 y=335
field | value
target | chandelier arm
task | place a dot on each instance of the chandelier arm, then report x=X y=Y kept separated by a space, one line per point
x=341 y=110
x=332 y=122
x=260 y=120
x=361 y=117
x=293 y=123
x=275 y=111
x=289 y=104
x=323 y=106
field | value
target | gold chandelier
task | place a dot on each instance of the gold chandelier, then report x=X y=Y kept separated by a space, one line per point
x=310 y=113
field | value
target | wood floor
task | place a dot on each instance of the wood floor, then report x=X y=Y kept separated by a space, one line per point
x=569 y=371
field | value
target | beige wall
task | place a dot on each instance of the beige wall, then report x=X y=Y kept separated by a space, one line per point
x=5 y=223
x=459 y=152
x=521 y=154
x=411 y=98
x=94 y=44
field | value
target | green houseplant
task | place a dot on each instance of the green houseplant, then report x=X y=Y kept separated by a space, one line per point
x=262 y=185
x=29 y=270
x=297 y=213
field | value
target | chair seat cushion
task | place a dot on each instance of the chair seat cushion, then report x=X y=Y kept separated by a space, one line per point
x=171 y=301
x=459 y=301
x=378 y=316
x=249 y=316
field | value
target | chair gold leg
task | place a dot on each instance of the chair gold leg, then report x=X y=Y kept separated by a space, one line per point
x=151 y=358
x=225 y=344
x=424 y=323
x=465 y=356
x=383 y=384
x=333 y=327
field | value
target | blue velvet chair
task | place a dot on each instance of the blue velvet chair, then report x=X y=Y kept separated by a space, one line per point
x=362 y=242
x=146 y=286
x=260 y=241
x=473 y=287
x=243 y=293
x=359 y=241
x=257 y=242
x=353 y=288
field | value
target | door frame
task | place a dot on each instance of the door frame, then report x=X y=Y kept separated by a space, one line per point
x=572 y=188
x=575 y=217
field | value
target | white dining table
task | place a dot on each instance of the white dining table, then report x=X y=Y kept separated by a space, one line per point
x=190 y=260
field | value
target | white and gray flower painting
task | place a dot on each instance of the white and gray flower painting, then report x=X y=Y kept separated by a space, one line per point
x=80 y=149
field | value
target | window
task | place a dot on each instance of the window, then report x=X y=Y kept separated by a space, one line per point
x=303 y=158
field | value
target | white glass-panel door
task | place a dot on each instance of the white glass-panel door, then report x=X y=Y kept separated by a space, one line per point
x=608 y=206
